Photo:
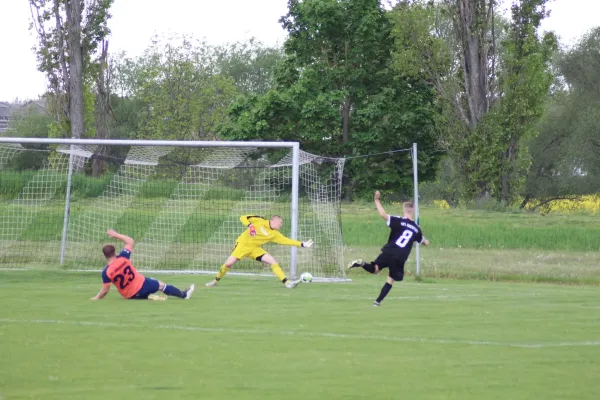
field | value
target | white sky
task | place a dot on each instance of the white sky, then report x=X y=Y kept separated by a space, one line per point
x=134 y=22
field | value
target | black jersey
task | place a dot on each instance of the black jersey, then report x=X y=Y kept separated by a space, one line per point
x=404 y=232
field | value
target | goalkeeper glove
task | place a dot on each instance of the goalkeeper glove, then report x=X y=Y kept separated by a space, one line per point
x=252 y=230
x=308 y=243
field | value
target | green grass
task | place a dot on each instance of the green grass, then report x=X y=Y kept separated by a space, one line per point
x=466 y=244
x=253 y=339
x=457 y=228
x=361 y=225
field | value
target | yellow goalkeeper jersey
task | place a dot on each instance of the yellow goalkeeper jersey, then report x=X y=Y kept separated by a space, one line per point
x=264 y=233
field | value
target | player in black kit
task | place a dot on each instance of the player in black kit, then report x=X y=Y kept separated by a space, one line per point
x=404 y=232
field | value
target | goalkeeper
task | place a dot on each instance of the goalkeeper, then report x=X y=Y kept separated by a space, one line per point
x=248 y=244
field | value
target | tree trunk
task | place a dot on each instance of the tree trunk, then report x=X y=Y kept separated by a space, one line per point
x=525 y=201
x=102 y=108
x=510 y=160
x=474 y=18
x=346 y=120
x=62 y=81
x=76 y=107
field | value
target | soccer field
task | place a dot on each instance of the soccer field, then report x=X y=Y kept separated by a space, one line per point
x=253 y=339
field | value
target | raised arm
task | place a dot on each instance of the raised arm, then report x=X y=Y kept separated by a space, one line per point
x=123 y=238
x=380 y=209
x=245 y=220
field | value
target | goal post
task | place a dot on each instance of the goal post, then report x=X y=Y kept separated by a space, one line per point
x=180 y=200
x=416 y=204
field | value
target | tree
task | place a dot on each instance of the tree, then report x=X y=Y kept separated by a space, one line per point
x=176 y=90
x=103 y=108
x=336 y=93
x=30 y=120
x=524 y=84
x=451 y=45
x=566 y=153
x=251 y=64
x=69 y=34
x=491 y=77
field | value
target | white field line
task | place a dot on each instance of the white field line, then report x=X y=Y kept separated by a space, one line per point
x=332 y=297
x=349 y=336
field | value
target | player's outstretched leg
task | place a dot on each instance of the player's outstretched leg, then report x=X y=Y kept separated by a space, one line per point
x=225 y=268
x=277 y=271
x=171 y=290
x=359 y=263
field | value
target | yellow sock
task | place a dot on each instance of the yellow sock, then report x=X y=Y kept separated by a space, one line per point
x=222 y=272
x=278 y=272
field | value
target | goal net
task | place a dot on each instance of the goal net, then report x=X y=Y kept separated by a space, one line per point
x=181 y=205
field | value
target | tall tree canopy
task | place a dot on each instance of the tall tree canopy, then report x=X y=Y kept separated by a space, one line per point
x=335 y=92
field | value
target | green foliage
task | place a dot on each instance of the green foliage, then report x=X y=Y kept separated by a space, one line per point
x=251 y=64
x=484 y=123
x=566 y=153
x=336 y=94
x=524 y=83
x=51 y=23
x=28 y=122
x=176 y=93
x=417 y=51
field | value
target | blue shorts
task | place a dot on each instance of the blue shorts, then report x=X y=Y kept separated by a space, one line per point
x=150 y=286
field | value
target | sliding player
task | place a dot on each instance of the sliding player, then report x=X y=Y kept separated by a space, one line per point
x=404 y=232
x=248 y=244
x=130 y=283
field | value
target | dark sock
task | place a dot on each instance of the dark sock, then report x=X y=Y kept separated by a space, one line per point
x=173 y=291
x=369 y=268
x=384 y=291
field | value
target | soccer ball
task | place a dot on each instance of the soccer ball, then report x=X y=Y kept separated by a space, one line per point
x=306 y=277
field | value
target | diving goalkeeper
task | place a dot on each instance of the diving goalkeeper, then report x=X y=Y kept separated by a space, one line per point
x=248 y=244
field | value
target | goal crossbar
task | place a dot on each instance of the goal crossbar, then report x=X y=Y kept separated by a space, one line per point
x=154 y=143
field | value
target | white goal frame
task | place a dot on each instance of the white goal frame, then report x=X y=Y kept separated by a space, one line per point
x=294 y=146
x=295 y=178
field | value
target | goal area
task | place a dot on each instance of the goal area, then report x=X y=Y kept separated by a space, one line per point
x=181 y=201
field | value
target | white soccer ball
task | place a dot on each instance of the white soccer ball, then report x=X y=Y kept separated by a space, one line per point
x=306 y=277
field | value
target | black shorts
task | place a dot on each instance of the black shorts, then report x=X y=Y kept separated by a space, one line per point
x=394 y=263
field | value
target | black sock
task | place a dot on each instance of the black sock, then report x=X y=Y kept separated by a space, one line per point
x=384 y=292
x=173 y=291
x=369 y=268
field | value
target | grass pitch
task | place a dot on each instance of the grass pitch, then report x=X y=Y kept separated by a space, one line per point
x=254 y=339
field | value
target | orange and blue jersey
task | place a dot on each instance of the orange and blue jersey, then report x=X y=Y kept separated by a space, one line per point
x=123 y=275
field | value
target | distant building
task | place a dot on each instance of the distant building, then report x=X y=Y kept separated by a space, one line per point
x=7 y=111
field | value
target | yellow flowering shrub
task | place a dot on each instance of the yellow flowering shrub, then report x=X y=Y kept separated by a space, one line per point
x=443 y=204
x=589 y=203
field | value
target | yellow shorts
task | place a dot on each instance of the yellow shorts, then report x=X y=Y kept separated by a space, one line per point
x=241 y=251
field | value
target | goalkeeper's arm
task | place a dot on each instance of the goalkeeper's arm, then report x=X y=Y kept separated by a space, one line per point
x=280 y=239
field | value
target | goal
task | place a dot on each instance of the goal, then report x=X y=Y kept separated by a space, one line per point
x=180 y=200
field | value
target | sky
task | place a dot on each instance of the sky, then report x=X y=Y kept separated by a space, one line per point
x=134 y=22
